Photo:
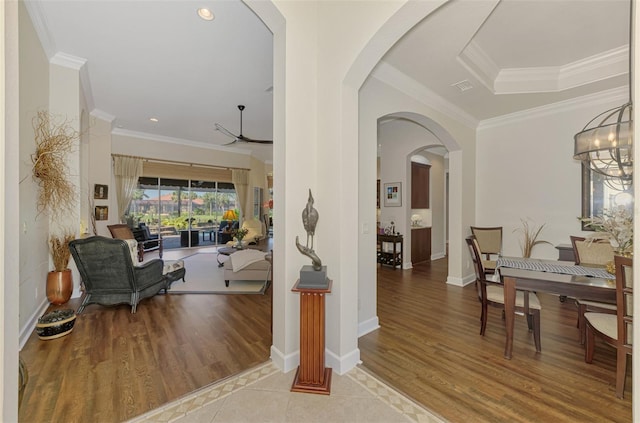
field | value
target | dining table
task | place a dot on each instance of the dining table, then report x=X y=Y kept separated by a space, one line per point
x=554 y=277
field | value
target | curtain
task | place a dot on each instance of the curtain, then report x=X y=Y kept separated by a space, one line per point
x=240 y=180
x=127 y=170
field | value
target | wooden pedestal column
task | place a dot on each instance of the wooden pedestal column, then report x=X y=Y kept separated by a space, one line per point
x=312 y=376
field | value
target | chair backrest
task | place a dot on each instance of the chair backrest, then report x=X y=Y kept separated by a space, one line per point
x=121 y=231
x=103 y=263
x=481 y=279
x=597 y=253
x=489 y=239
x=624 y=301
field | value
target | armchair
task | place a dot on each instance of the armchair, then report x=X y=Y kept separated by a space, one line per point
x=109 y=274
x=256 y=230
x=122 y=231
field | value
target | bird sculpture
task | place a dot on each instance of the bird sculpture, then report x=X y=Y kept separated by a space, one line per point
x=310 y=220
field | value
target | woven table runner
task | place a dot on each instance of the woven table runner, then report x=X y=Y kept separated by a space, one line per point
x=527 y=264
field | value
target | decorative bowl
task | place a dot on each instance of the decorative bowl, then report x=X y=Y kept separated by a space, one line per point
x=56 y=324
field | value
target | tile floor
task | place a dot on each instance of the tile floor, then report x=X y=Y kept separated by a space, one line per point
x=263 y=394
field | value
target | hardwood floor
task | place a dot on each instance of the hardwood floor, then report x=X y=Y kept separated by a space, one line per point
x=429 y=348
x=116 y=365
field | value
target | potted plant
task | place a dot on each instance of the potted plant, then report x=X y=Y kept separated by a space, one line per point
x=239 y=235
x=59 y=280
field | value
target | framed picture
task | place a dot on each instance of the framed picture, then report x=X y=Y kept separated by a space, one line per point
x=393 y=194
x=102 y=212
x=100 y=192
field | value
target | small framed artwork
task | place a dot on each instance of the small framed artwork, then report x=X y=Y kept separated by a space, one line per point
x=100 y=192
x=393 y=194
x=102 y=212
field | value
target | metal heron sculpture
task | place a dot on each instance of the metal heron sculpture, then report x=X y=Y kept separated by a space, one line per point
x=309 y=221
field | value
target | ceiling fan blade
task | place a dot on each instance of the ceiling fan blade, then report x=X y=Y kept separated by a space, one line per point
x=245 y=139
x=226 y=132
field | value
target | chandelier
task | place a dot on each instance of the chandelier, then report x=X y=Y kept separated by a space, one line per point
x=605 y=144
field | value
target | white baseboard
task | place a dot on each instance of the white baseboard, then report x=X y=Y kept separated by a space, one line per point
x=286 y=363
x=342 y=365
x=26 y=331
x=461 y=282
x=368 y=326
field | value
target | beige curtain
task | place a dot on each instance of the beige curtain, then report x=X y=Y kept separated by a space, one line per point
x=127 y=170
x=240 y=179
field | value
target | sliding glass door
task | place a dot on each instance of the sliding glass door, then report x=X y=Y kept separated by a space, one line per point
x=185 y=213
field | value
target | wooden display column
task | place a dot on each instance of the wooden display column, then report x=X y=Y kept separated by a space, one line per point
x=312 y=377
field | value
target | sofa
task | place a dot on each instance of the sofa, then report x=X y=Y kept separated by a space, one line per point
x=258 y=269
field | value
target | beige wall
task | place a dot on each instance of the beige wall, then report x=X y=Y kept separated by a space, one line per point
x=34 y=227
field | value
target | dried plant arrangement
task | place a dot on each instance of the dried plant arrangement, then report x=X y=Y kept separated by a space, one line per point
x=530 y=236
x=59 y=248
x=53 y=141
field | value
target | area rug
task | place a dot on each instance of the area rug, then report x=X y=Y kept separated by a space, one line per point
x=203 y=276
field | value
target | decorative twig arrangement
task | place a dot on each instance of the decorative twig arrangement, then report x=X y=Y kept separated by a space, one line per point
x=53 y=142
x=60 y=253
x=530 y=236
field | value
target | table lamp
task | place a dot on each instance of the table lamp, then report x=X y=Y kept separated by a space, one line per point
x=230 y=215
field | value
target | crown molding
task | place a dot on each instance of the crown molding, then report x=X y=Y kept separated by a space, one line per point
x=601 y=66
x=34 y=8
x=97 y=113
x=78 y=64
x=388 y=74
x=620 y=94
x=179 y=141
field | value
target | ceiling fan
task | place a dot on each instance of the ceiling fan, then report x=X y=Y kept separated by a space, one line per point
x=239 y=138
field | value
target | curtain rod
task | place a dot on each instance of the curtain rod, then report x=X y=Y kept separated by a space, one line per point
x=146 y=159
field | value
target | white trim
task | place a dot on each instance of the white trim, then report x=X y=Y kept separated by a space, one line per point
x=39 y=21
x=28 y=329
x=342 y=365
x=368 y=326
x=461 y=282
x=68 y=61
x=386 y=73
x=475 y=60
x=620 y=94
x=285 y=363
x=97 y=113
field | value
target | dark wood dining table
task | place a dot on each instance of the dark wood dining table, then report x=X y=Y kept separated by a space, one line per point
x=584 y=287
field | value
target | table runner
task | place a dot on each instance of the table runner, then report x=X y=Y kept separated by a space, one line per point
x=545 y=266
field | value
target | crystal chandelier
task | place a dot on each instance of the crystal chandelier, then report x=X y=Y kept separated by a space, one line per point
x=605 y=144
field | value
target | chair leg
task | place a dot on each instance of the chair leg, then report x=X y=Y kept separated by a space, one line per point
x=590 y=344
x=536 y=329
x=621 y=372
x=582 y=323
x=483 y=318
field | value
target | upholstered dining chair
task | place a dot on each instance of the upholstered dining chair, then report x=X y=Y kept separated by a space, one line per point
x=491 y=293
x=616 y=330
x=596 y=254
x=490 y=243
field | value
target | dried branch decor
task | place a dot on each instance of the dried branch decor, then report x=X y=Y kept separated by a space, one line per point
x=530 y=236
x=53 y=142
x=60 y=254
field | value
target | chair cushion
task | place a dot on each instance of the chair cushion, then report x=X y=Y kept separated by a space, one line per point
x=495 y=294
x=604 y=322
x=489 y=264
x=594 y=253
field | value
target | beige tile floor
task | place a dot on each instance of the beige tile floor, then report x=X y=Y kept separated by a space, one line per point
x=263 y=394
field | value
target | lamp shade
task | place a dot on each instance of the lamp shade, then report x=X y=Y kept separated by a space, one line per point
x=606 y=144
x=230 y=215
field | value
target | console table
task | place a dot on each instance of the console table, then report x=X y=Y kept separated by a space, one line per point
x=391 y=258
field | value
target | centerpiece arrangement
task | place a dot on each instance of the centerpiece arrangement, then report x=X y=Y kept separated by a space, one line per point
x=614 y=225
x=239 y=234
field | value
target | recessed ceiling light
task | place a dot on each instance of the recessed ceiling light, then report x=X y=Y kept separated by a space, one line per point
x=153 y=119
x=205 y=14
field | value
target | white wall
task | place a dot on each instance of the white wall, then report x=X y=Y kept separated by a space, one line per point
x=34 y=227
x=525 y=169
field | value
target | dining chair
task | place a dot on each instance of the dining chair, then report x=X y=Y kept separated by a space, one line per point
x=594 y=254
x=616 y=330
x=491 y=293
x=490 y=243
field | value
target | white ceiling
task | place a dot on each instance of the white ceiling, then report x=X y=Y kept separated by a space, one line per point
x=159 y=59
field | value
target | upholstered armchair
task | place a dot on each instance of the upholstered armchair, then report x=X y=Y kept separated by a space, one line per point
x=109 y=274
x=256 y=230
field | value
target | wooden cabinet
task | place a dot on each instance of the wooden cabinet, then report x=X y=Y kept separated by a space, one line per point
x=420 y=245
x=420 y=185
